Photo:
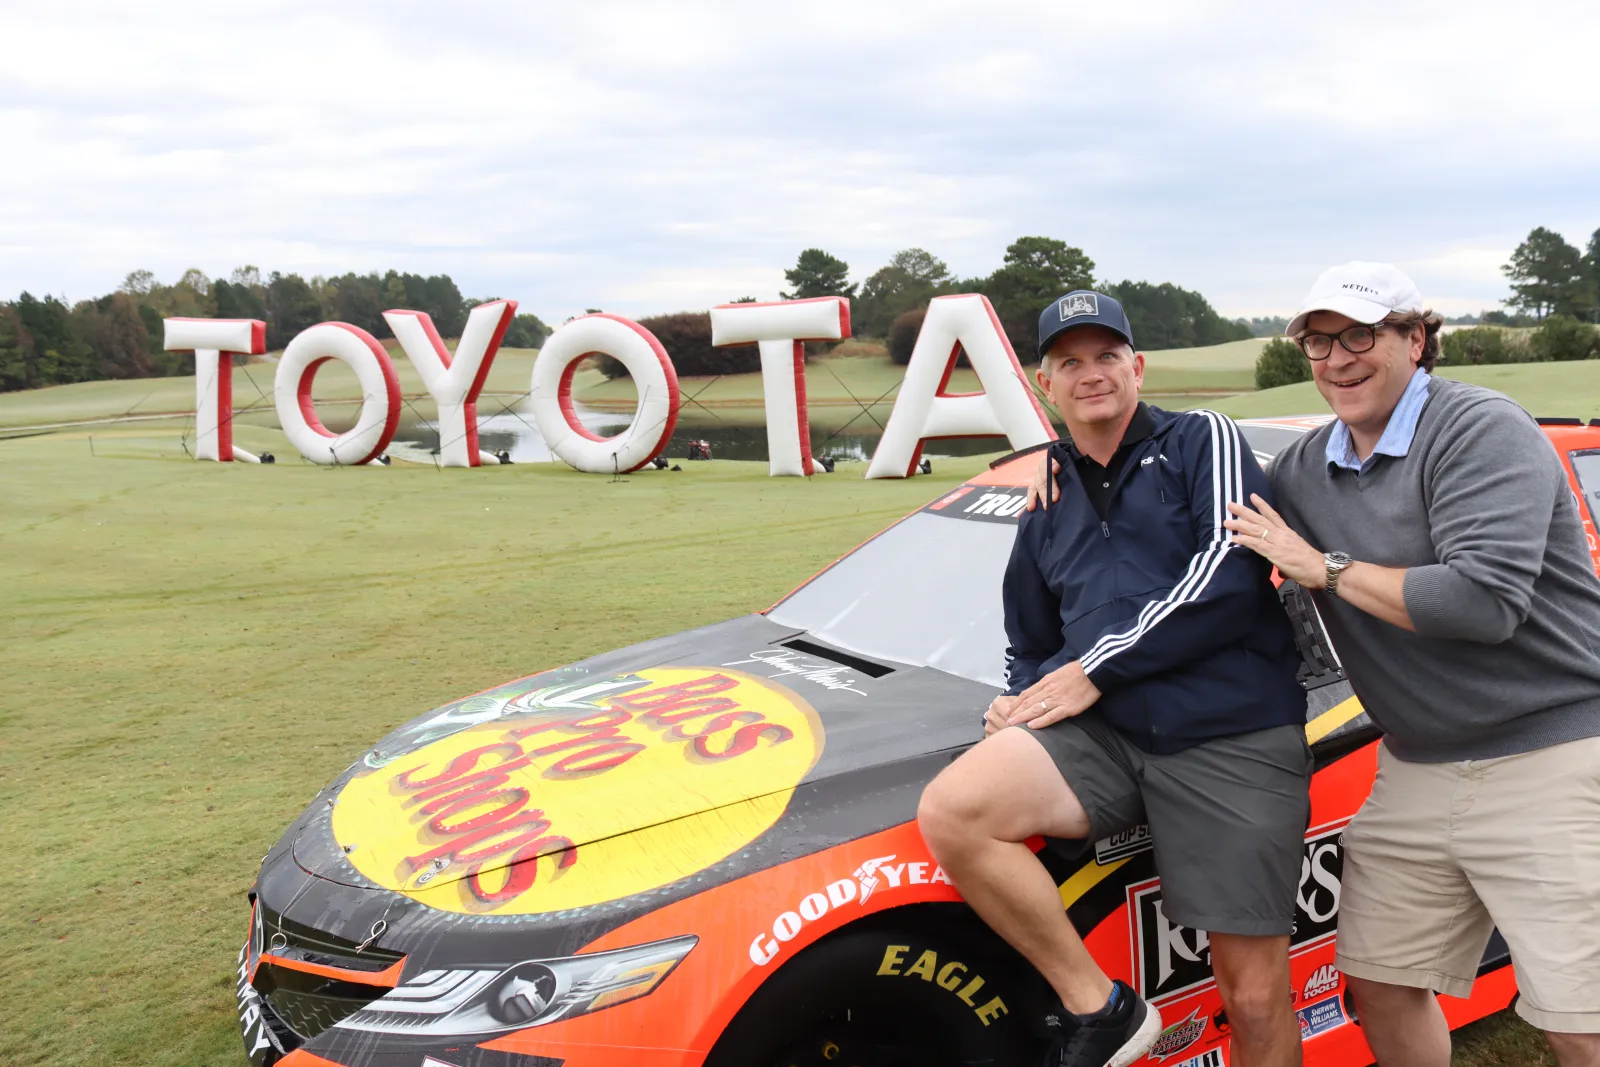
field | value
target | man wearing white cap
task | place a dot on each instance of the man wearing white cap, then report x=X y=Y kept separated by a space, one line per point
x=1435 y=528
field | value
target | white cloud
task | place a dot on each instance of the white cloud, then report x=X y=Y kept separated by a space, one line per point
x=654 y=157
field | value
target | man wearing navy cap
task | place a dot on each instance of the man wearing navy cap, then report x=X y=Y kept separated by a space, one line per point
x=1152 y=676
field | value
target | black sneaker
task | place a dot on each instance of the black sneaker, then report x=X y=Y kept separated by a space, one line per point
x=1114 y=1040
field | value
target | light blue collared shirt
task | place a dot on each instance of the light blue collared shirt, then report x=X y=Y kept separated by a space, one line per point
x=1396 y=439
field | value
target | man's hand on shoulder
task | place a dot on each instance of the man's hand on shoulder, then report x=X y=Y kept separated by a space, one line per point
x=1059 y=695
x=1044 y=489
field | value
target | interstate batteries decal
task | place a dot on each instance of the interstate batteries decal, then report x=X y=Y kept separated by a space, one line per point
x=567 y=796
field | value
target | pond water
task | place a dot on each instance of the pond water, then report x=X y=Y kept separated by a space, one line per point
x=517 y=434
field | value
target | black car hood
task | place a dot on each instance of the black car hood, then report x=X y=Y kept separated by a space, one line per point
x=837 y=747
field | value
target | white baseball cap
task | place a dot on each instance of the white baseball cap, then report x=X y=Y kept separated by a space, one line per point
x=1366 y=292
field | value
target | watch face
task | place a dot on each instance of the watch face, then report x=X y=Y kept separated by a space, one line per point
x=1339 y=559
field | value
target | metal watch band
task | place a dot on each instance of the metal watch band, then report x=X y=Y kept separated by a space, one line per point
x=1336 y=562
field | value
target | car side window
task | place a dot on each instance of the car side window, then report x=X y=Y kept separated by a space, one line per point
x=1586 y=465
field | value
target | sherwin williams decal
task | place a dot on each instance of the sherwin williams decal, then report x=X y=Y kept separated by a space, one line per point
x=1319 y=1018
x=557 y=804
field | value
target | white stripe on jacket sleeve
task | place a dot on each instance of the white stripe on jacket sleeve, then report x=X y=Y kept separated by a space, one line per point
x=1227 y=484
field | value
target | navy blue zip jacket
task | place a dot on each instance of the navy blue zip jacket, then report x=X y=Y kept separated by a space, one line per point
x=1179 y=627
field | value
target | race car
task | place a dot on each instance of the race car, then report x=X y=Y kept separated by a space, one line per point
x=703 y=850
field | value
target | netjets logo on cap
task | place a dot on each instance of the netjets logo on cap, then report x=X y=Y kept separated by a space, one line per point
x=1358 y=288
x=1079 y=304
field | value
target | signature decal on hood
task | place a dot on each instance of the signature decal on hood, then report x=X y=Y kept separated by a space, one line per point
x=784 y=663
x=565 y=797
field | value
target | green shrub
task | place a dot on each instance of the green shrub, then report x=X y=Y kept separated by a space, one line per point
x=903 y=334
x=1480 y=346
x=1563 y=338
x=686 y=335
x=525 y=331
x=1281 y=363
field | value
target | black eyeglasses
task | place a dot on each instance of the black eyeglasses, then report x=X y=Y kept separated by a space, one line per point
x=1355 y=339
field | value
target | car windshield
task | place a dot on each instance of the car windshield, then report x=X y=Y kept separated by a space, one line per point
x=926 y=592
x=1586 y=465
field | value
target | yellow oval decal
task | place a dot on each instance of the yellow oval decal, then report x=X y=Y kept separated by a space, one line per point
x=552 y=805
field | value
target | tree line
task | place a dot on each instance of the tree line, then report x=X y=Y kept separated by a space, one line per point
x=1033 y=272
x=119 y=335
x=1551 y=277
x=889 y=305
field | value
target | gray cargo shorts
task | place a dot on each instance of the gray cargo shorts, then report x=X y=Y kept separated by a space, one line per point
x=1227 y=817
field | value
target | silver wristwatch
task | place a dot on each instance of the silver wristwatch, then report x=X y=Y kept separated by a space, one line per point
x=1336 y=562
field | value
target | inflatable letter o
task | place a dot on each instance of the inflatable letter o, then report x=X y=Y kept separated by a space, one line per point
x=653 y=376
x=380 y=393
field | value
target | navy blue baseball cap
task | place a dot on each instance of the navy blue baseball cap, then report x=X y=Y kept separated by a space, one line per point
x=1082 y=307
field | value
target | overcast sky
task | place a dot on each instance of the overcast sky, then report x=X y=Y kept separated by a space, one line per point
x=658 y=157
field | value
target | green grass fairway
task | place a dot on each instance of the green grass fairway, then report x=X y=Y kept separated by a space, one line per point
x=1545 y=389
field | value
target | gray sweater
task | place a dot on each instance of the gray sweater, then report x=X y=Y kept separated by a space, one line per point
x=1500 y=584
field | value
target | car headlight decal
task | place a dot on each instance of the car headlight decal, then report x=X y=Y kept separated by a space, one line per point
x=462 y=1002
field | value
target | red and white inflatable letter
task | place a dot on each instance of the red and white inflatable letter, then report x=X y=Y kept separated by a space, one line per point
x=455 y=383
x=1006 y=407
x=781 y=330
x=211 y=339
x=654 y=379
x=380 y=395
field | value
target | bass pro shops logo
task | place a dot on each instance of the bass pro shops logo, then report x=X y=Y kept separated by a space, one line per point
x=1172 y=959
x=553 y=803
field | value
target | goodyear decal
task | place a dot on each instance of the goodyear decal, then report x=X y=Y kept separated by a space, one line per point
x=549 y=804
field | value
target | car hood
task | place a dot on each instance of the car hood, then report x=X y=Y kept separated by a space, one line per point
x=625 y=772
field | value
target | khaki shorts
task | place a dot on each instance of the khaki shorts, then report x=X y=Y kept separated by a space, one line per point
x=1442 y=853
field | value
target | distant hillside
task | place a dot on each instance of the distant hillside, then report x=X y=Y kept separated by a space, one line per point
x=1229 y=368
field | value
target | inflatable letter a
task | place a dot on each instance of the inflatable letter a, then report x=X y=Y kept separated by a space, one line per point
x=214 y=341
x=924 y=410
x=781 y=330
